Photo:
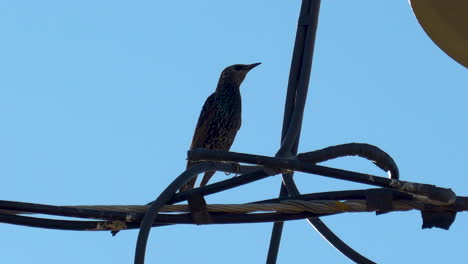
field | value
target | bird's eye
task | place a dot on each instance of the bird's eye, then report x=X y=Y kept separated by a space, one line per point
x=237 y=67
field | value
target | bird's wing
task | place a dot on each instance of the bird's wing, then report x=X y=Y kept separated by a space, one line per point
x=204 y=123
x=201 y=133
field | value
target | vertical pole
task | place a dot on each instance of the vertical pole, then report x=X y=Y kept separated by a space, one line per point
x=299 y=77
x=298 y=84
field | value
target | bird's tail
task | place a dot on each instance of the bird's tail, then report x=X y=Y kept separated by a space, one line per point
x=190 y=184
x=206 y=178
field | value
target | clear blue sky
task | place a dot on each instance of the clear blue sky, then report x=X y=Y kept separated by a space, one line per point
x=99 y=100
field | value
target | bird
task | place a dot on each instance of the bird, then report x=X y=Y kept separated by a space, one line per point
x=220 y=117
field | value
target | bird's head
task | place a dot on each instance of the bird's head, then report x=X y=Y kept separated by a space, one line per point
x=237 y=72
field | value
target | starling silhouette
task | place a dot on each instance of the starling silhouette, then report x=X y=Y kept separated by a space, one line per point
x=220 y=117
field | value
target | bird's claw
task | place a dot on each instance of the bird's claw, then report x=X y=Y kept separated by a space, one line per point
x=237 y=168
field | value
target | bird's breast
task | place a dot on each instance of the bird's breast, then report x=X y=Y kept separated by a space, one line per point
x=229 y=113
x=225 y=123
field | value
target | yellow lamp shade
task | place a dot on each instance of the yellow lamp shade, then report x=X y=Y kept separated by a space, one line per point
x=446 y=23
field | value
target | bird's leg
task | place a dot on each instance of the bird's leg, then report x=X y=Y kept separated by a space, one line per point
x=237 y=168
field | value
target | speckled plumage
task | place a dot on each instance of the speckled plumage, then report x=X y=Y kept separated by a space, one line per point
x=220 y=117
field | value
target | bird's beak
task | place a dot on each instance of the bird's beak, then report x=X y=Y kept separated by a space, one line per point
x=251 y=66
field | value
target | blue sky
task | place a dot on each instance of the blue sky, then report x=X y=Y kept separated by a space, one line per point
x=99 y=100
